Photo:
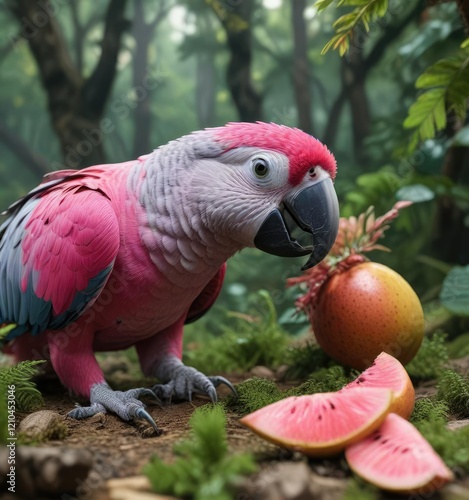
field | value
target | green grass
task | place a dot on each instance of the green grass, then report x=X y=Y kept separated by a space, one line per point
x=250 y=340
x=204 y=467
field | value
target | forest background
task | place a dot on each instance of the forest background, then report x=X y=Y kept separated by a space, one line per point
x=84 y=83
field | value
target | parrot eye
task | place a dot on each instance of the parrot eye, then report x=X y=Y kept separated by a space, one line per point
x=260 y=168
x=312 y=172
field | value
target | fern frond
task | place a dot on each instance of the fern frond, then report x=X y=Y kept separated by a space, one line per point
x=446 y=88
x=28 y=398
x=364 y=13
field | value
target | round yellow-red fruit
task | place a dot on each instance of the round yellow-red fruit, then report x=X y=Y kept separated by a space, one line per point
x=365 y=310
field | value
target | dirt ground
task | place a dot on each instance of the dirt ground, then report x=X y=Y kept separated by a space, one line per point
x=121 y=449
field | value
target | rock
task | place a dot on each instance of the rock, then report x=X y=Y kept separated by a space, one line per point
x=42 y=426
x=262 y=372
x=133 y=488
x=52 y=471
x=281 y=481
x=281 y=372
x=458 y=424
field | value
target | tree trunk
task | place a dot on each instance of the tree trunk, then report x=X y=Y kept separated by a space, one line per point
x=143 y=35
x=236 y=21
x=205 y=90
x=206 y=74
x=76 y=104
x=301 y=76
x=359 y=72
x=451 y=241
x=353 y=75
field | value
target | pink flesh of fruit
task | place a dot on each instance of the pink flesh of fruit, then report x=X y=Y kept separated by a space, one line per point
x=397 y=457
x=330 y=419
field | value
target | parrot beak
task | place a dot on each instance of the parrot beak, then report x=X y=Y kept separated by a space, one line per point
x=313 y=209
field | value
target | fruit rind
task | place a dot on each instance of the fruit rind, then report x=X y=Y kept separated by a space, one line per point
x=388 y=372
x=263 y=421
x=417 y=468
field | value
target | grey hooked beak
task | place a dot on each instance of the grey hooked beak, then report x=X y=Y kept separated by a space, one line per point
x=315 y=210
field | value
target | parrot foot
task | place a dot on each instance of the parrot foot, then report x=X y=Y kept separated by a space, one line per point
x=186 y=381
x=124 y=404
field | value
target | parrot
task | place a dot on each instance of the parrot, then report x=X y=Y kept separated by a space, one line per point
x=126 y=254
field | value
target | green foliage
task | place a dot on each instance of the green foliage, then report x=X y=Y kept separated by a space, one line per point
x=431 y=360
x=358 y=488
x=28 y=398
x=375 y=189
x=3 y=416
x=306 y=359
x=255 y=393
x=454 y=293
x=5 y=330
x=364 y=13
x=459 y=347
x=256 y=339
x=446 y=88
x=451 y=445
x=204 y=468
x=453 y=389
x=429 y=409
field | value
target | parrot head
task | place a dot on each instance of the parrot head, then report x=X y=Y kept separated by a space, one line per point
x=268 y=186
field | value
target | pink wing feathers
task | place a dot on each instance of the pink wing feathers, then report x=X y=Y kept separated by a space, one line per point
x=56 y=253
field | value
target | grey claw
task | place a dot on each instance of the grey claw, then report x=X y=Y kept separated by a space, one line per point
x=86 y=411
x=217 y=380
x=143 y=414
x=212 y=394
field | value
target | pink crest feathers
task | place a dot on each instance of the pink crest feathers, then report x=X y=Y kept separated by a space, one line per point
x=302 y=150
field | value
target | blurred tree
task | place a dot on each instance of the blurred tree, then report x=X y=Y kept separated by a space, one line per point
x=76 y=103
x=143 y=34
x=355 y=68
x=36 y=163
x=236 y=19
x=300 y=74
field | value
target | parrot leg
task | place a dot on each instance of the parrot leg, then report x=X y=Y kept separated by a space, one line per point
x=184 y=381
x=74 y=362
x=160 y=357
x=124 y=404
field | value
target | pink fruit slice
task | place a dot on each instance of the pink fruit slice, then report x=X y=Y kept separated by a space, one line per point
x=321 y=424
x=397 y=457
x=388 y=372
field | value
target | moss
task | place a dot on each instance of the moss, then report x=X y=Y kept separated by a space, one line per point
x=429 y=409
x=431 y=360
x=255 y=393
x=358 y=488
x=453 y=389
x=204 y=467
x=452 y=446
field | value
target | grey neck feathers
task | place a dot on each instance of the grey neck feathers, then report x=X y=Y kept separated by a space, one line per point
x=181 y=242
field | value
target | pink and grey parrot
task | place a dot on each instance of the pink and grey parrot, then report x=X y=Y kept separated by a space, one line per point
x=122 y=255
